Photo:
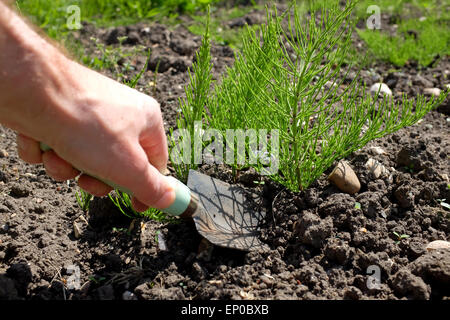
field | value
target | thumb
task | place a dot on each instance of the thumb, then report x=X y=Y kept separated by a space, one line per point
x=153 y=189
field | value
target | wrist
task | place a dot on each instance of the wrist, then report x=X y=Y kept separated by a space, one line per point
x=34 y=76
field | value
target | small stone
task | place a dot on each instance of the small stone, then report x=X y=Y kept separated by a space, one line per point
x=436 y=92
x=422 y=19
x=376 y=168
x=3 y=153
x=438 y=244
x=345 y=178
x=377 y=151
x=128 y=296
x=161 y=242
x=363 y=230
x=4 y=227
x=246 y=295
x=382 y=88
x=216 y=282
x=76 y=231
x=444 y=177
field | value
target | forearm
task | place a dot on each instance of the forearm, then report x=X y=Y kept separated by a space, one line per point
x=32 y=73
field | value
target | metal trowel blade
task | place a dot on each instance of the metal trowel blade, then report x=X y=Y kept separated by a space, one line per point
x=228 y=216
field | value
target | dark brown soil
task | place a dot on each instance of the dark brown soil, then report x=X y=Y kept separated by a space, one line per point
x=321 y=245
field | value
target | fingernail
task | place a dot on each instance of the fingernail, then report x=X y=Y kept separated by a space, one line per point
x=166 y=200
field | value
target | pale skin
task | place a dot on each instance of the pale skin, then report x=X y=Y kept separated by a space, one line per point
x=90 y=121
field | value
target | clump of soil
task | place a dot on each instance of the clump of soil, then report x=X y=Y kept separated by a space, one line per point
x=321 y=245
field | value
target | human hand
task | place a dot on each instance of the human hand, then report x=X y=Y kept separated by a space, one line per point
x=106 y=130
x=91 y=122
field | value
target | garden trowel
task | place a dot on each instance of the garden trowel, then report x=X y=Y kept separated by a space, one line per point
x=226 y=215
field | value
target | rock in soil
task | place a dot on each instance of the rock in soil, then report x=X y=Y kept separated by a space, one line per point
x=381 y=89
x=345 y=178
x=437 y=245
x=376 y=168
x=436 y=92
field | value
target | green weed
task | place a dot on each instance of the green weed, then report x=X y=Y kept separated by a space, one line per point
x=421 y=36
x=400 y=237
x=443 y=203
x=84 y=199
x=420 y=41
x=51 y=15
x=286 y=79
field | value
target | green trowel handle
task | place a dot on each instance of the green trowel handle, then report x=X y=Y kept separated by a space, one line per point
x=183 y=204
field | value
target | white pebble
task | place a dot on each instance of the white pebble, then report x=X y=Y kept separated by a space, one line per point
x=377 y=151
x=382 y=88
x=432 y=92
x=76 y=231
x=376 y=168
x=438 y=244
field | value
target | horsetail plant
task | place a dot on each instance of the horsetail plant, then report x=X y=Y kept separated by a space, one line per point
x=192 y=108
x=287 y=78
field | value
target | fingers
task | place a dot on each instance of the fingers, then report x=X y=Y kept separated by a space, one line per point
x=154 y=142
x=93 y=186
x=146 y=183
x=28 y=149
x=138 y=206
x=155 y=191
x=57 y=168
